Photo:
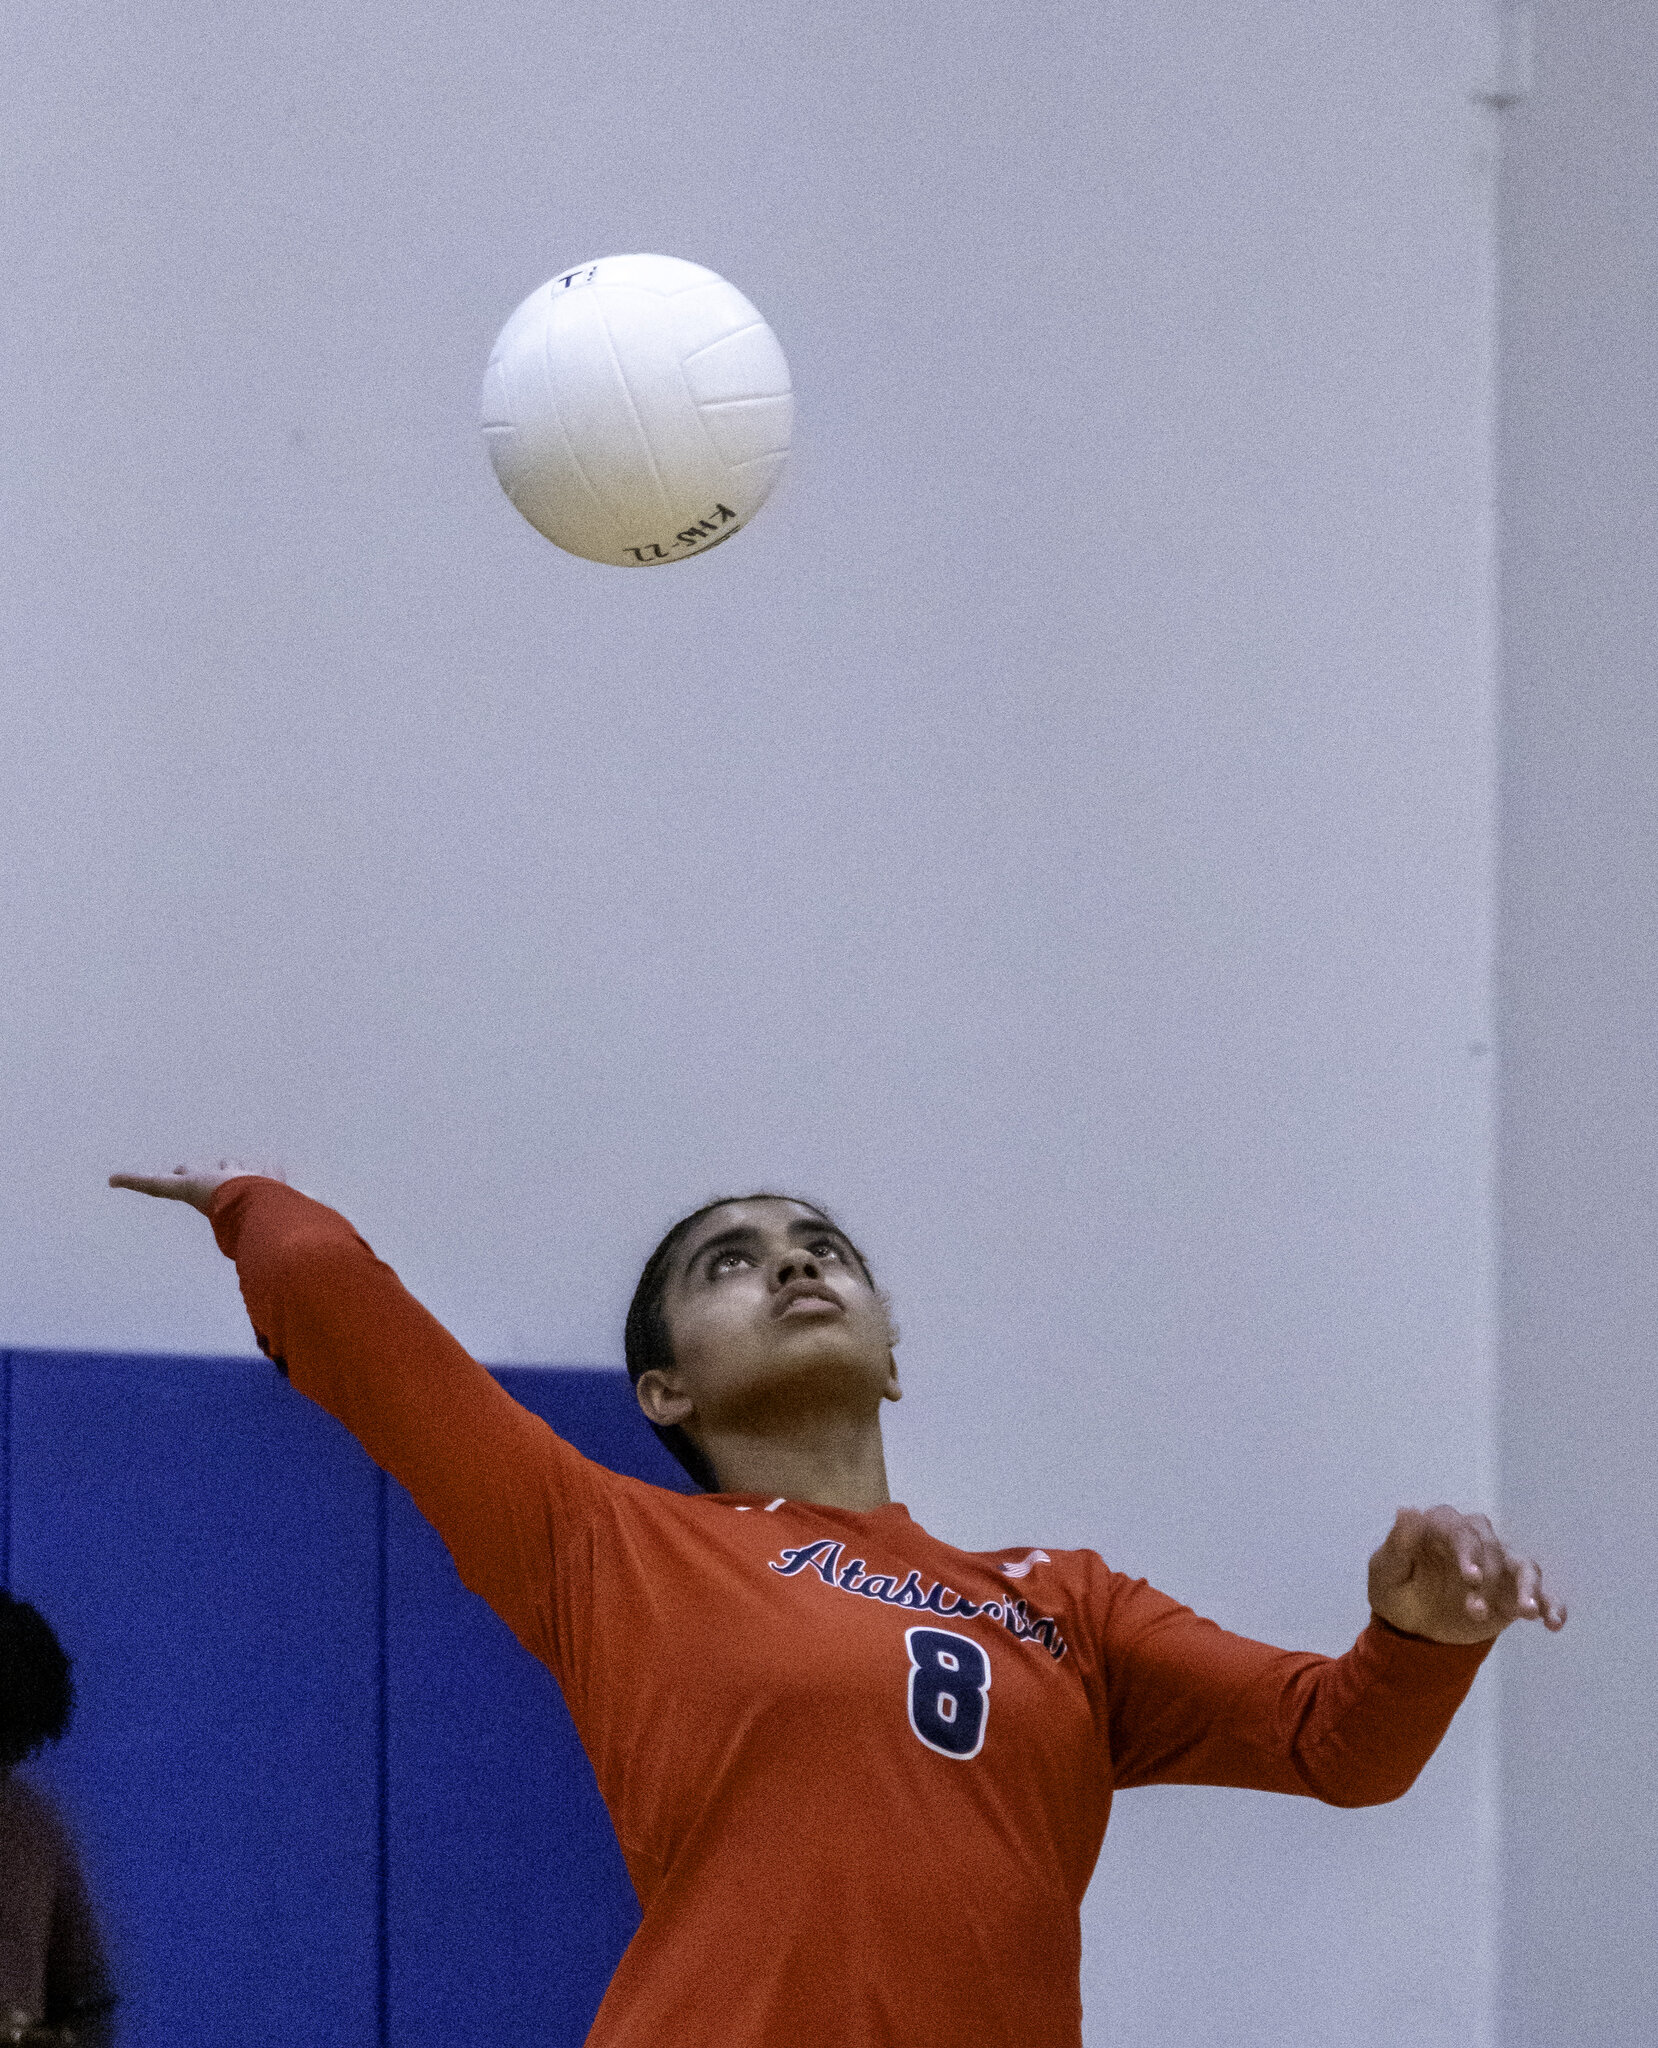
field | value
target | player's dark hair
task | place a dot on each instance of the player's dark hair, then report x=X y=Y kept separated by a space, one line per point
x=36 y=1696
x=646 y=1342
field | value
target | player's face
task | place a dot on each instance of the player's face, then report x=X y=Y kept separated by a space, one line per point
x=772 y=1319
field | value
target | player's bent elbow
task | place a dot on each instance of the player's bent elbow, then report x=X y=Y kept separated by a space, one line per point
x=1367 y=1789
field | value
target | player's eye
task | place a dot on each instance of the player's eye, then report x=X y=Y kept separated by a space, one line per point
x=825 y=1248
x=723 y=1262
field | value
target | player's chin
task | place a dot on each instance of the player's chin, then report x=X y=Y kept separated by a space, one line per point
x=831 y=1348
x=797 y=1378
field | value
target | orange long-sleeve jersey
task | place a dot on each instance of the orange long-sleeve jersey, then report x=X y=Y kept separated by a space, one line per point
x=860 y=1778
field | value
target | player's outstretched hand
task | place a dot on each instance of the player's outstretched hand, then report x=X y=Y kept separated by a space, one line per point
x=1448 y=1576
x=196 y=1185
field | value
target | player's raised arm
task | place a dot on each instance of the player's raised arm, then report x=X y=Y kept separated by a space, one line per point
x=492 y=1478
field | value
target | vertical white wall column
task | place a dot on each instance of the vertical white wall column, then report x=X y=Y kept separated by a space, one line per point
x=1579 y=1024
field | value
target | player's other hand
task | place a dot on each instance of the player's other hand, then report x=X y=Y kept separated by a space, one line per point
x=196 y=1185
x=1449 y=1576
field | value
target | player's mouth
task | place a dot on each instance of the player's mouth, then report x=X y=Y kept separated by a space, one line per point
x=805 y=1300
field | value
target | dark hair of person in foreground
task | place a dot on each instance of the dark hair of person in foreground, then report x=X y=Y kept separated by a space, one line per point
x=37 y=1694
x=50 y=1948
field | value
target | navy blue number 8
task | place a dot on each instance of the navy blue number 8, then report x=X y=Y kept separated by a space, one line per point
x=949 y=1690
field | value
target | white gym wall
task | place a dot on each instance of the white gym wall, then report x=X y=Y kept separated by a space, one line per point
x=1059 y=835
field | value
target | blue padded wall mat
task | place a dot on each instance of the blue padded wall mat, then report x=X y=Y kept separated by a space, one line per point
x=5 y=1468
x=205 y=1544
x=322 y=1793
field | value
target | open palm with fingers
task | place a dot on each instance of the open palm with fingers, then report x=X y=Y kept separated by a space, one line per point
x=196 y=1185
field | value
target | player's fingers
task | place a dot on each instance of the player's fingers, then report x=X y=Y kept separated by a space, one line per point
x=1462 y=1549
x=172 y=1186
x=1456 y=1540
x=1496 y=1586
x=1497 y=1564
x=1526 y=1582
x=1395 y=1560
x=1550 y=1612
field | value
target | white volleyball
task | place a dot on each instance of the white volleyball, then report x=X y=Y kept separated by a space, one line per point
x=637 y=410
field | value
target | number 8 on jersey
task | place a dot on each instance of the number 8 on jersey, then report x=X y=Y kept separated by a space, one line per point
x=949 y=1690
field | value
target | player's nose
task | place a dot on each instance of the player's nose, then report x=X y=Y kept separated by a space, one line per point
x=795 y=1265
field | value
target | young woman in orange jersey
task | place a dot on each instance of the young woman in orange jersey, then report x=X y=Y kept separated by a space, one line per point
x=860 y=1778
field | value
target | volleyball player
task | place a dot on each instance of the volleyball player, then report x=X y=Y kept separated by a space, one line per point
x=860 y=1778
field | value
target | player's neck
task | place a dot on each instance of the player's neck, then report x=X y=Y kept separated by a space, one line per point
x=841 y=1465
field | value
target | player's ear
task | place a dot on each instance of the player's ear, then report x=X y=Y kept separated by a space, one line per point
x=664 y=1401
x=892 y=1391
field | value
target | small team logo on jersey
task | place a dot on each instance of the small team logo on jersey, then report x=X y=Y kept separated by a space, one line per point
x=1020 y=1568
